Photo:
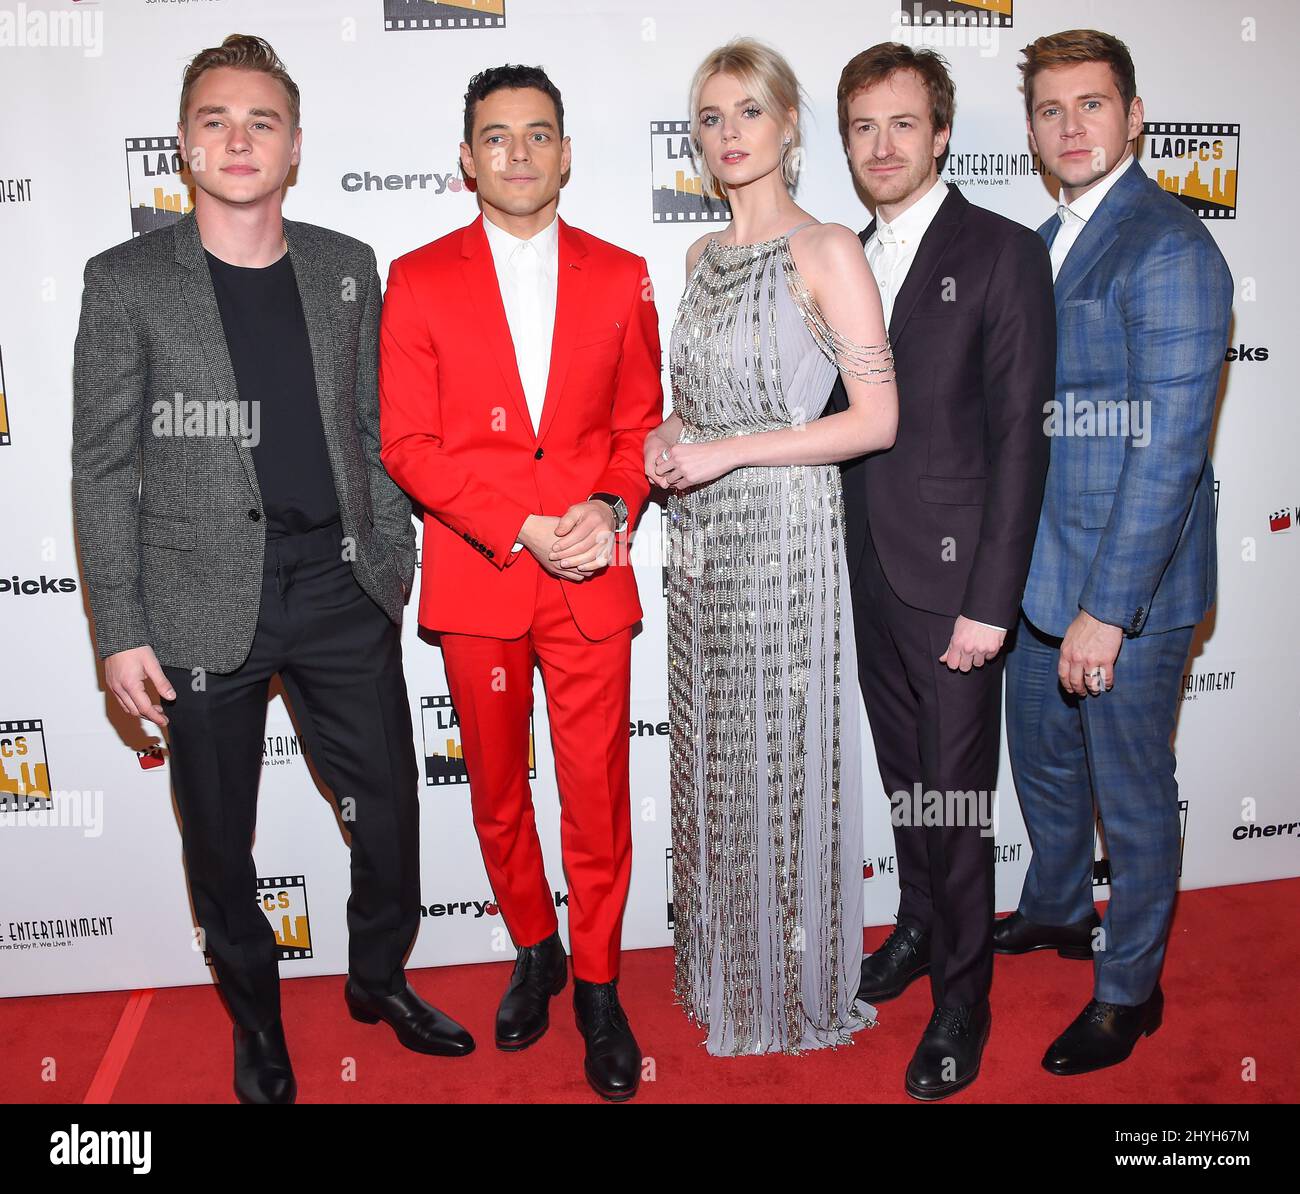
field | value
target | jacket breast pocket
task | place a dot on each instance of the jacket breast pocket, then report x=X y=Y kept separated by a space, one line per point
x=1082 y=310
x=166 y=532
x=608 y=336
x=951 y=491
x=1094 y=508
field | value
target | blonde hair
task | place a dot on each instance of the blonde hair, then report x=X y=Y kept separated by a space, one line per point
x=767 y=76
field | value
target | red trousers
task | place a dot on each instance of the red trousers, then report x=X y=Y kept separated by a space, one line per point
x=587 y=700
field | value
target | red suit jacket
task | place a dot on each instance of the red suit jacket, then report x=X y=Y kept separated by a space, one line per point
x=456 y=433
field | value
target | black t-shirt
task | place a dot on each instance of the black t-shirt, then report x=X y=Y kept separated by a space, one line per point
x=266 y=335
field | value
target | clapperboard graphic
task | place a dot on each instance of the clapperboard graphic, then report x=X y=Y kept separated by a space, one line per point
x=1197 y=164
x=668 y=866
x=1283 y=520
x=24 y=767
x=678 y=190
x=158 y=183
x=449 y=14
x=4 y=409
x=1101 y=860
x=996 y=13
x=444 y=760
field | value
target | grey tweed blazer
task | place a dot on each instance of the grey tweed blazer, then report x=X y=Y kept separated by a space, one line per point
x=170 y=526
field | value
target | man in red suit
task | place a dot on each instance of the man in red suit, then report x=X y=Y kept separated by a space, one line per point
x=519 y=376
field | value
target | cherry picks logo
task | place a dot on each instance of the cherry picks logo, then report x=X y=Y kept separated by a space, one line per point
x=1284 y=519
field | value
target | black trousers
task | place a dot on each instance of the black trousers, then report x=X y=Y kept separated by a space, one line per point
x=339 y=658
x=935 y=731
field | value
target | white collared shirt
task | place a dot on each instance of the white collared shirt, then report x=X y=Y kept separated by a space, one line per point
x=890 y=268
x=527 y=272
x=1074 y=216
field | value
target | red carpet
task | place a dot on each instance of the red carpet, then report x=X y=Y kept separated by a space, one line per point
x=1229 y=982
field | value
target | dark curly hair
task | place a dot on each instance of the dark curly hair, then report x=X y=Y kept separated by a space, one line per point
x=501 y=78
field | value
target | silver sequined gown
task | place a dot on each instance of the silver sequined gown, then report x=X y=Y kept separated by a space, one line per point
x=763 y=704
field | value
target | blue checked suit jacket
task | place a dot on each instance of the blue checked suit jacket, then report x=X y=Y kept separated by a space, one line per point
x=1127 y=532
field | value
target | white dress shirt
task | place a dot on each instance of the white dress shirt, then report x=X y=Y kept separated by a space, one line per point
x=1074 y=216
x=891 y=249
x=527 y=273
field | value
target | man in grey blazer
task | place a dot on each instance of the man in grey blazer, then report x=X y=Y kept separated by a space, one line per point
x=235 y=522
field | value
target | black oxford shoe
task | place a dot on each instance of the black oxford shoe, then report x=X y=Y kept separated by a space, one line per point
x=263 y=1073
x=1103 y=1034
x=419 y=1026
x=613 y=1060
x=1016 y=935
x=541 y=971
x=948 y=1057
x=903 y=957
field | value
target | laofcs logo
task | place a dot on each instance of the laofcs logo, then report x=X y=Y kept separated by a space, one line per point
x=4 y=409
x=956 y=12
x=449 y=14
x=678 y=190
x=155 y=174
x=444 y=759
x=1197 y=164
x=284 y=900
x=1101 y=858
x=24 y=768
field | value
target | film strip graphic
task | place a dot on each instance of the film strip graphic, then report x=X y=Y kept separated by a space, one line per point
x=990 y=13
x=405 y=15
x=4 y=407
x=444 y=758
x=156 y=188
x=24 y=768
x=287 y=914
x=668 y=867
x=678 y=191
x=1197 y=164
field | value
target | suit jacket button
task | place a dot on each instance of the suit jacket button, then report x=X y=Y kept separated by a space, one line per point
x=491 y=553
x=255 y=515
x=538 y=454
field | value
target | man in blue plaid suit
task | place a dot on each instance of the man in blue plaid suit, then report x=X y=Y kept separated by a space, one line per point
x=1124 y=561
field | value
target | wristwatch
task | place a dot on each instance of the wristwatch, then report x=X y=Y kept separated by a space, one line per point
x=617 y=504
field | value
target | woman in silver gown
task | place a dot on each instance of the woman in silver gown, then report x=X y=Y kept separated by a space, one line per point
x=763 y=703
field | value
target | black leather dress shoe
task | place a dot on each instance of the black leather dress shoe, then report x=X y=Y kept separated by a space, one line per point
x=903 y=957
x=1103 y=1034
x=262 y=1070
x=948 y=1057
x=420 y=1026
x=541 y=971
x=1016 y=935
x=613 y=1060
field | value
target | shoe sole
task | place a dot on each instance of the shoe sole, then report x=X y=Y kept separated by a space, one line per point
x=1076 y=953
x=892 y=992
x=519 y=1046
x=415 y=1046
x=608 y=1096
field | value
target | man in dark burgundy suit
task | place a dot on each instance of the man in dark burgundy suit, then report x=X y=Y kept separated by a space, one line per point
x=940 y=530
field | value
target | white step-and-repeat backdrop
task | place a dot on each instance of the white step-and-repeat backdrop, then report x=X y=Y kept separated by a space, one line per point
x=92 y=888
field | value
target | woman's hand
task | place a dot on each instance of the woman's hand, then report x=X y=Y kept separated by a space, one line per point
x=697 y=464
x=655 y=444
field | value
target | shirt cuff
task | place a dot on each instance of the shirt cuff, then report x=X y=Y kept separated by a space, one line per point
x=1000 y=629
x=517 y=547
